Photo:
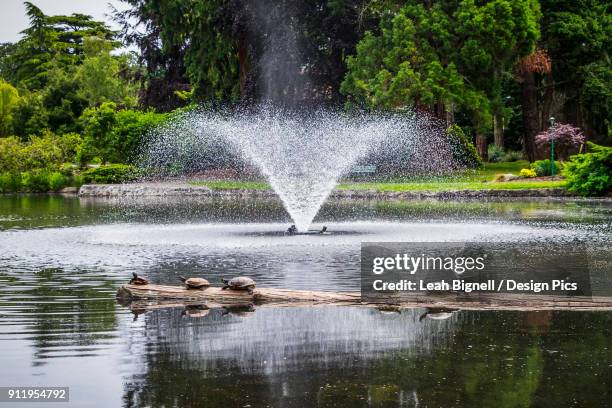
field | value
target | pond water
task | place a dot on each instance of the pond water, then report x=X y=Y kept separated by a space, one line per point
x=63 y=258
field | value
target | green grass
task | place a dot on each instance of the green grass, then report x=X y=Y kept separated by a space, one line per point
x=469 y=180
x=450 y=186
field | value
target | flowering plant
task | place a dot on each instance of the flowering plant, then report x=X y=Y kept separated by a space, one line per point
x=567 y=139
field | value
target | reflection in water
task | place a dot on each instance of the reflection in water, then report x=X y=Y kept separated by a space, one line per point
x=347 y=357
x=62 y=259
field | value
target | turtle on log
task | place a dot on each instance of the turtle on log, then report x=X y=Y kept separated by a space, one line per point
x=137 y=280
x=195 y=283
x=239 y=283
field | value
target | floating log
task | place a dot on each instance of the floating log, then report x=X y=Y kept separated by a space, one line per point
x=148 y=297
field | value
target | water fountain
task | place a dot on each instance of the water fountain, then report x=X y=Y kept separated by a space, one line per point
x=302 y=151
x=301 y=154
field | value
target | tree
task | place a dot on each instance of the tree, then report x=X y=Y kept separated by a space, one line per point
x=98 y=75
x=226 y=50
x=445 y=55
x=9 y=97
x=576 y=35
x=48 y=41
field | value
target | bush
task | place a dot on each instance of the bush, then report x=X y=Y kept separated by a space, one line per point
x=36 y=181
x=512 y=156
x=11 y=155
x=497 y=154
x=48 y=151
x=527 y=173
x=590 y=174
x=113 y=134
x=57 y=181
x=10 y=182
x=543 y=167
x=463 y=149
x=109 y=174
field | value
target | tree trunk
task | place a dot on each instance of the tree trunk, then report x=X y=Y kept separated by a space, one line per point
x=481 y=146
x=548 y=101
x=530 y=115
x=498 y=130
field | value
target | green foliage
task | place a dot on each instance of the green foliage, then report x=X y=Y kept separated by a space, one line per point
x=464 y=151
x=10 y=182
x=48 y=151
x=9 y=97
x=590 y=174
x=36 y=181
x=543 y=167
x=48 y=41
x=443 y=56
x=112 y=173
x=495 y=153
x=114 y=135
x=10 y=154
x=98 y=75
x=577 y=35
x=57 y=181
x=498 y=154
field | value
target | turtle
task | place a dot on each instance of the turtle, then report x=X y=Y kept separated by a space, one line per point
x=239 y=283
x=195 y=283
x=137 y=280
x=437 y=313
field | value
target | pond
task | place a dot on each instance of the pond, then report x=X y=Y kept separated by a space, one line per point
x=62 y=259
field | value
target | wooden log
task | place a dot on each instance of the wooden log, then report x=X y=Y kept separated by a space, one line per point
x=155 y=296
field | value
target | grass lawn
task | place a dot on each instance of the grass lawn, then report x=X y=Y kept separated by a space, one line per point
x=469 y=180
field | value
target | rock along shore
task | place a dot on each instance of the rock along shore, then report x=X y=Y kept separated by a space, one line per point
x=175 y=189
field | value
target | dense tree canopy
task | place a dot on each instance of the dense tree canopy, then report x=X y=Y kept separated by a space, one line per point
x=444 y=56
x=500 y=69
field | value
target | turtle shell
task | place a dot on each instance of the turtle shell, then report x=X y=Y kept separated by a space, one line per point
x=241 y=282
x=196 y=283
x=138 y=280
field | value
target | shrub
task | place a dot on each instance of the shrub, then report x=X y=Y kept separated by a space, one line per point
x=36 y=181
x=112 y=173
x=527 y=173
x=113 y=134
x=11 y=155
x=10 y=182
x=498 y=154
x=512 y=156
x=57 y=181
x=495 y=153
x=463 y=149
x=543 y=167
x=590 y=174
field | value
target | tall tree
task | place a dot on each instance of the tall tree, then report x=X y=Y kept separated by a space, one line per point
x=99 y=75
x=48 y=41
x=445 y=55
x=576 y=34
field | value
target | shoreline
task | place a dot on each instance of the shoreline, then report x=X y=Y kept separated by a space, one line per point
x=184 y=189
x=178 y=189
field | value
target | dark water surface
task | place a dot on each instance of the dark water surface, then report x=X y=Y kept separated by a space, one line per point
x=62 y=259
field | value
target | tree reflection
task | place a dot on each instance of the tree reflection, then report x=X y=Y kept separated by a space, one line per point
x=487 y=359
